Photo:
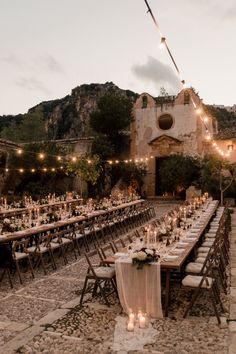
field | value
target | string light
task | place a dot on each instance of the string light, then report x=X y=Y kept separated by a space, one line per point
x=163 y=42
x=32 y=170
x=19 y=151
x=21 y=170
x=73 y=159
x=198 y=109
x=41 y=156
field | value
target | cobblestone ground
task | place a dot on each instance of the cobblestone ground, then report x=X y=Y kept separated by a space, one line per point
x=44 y=316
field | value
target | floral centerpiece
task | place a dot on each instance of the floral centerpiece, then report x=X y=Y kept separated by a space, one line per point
x=144 y=256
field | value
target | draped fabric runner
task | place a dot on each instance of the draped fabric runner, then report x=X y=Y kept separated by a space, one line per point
x=139 y=289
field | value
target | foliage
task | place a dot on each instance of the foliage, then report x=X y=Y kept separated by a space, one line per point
x=87 y=167
x=30 y=128
x=102 y=147
x=129 y=173
x=178 y=172
x=224 y=118
x=38 y=182
x=112 y=116
x=216 y=175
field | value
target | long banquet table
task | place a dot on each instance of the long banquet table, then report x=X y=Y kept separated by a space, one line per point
x=66 y=222
x=165 y=265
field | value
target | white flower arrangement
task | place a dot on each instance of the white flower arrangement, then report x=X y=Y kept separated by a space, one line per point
x=144 y=256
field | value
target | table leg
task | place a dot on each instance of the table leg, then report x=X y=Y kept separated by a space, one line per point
x=167 y=295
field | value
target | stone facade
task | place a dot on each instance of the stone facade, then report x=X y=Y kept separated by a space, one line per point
x=160 y=129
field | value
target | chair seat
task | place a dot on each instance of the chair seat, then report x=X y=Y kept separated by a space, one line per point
x=78 y=235
x=54 y=245
x=42 y=249
x=65 y=240
x=20 y=255
x=203 y=249
x=207 y=243
x=104 y=272
x=200 y=260
x=193 y=267
x=193 y=281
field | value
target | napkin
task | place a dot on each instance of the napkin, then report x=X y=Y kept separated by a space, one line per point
x=170 y=258
x=120 y=254
x=177 y=251
x=182 y=245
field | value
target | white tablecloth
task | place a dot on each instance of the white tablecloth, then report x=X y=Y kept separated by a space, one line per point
x=139 y=289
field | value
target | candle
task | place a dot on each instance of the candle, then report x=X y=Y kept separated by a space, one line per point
x=130 y=326
x=142 y=321
x=131 y=317
x=139 y=314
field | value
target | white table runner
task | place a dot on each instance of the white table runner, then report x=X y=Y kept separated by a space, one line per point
x=139 y=289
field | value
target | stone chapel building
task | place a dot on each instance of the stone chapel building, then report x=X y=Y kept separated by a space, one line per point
x=166 y=126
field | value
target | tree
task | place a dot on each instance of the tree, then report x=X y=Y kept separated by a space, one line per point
x=178 y=172
x=112 y=116
x=217 y=176
x=86 y=167
x=40 y=176
x=30 y=128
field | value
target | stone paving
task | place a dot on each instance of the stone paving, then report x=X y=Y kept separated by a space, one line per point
x=44 y=316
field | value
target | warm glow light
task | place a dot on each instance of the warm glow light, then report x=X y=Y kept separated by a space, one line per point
x=198 y=110
x=32 y=170
x=130 y=160
x=208 y=137
x=41 y=156
x=19 y=151
x=21 y=170
x=205 y=119
x=61 y=167
x=6 y=169
x=59 y=158
x=73 y=158
x=136 y=160
x=163 y=42
x=126 y=161
x=214 y=143
x=89 y=161
x=151 y=157
x=44 y=169
x=53 y=169
x=110 y=162
x=117 y=161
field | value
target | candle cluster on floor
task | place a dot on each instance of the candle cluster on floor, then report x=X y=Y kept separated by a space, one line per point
x=141 y=320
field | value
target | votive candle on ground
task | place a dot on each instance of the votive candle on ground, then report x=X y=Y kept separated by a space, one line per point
x=130 y=326
x=131 y=317
x=142 y=321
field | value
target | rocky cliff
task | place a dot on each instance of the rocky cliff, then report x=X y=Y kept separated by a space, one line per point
x=68 y=117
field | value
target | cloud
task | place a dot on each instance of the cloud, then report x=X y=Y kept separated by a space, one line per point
x=49 y=63
x=32 y=84
x=230 y=14
x=157 y=73
x=12 y=60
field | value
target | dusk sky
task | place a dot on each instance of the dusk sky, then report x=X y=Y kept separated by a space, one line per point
x=49 y=47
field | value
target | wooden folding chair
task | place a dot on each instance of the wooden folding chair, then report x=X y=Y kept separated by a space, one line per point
x=204 y=282
x=100 y=276
x=20 y=254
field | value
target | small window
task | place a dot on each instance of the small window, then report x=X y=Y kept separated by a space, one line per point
x=144 y=102
x=165 y=121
